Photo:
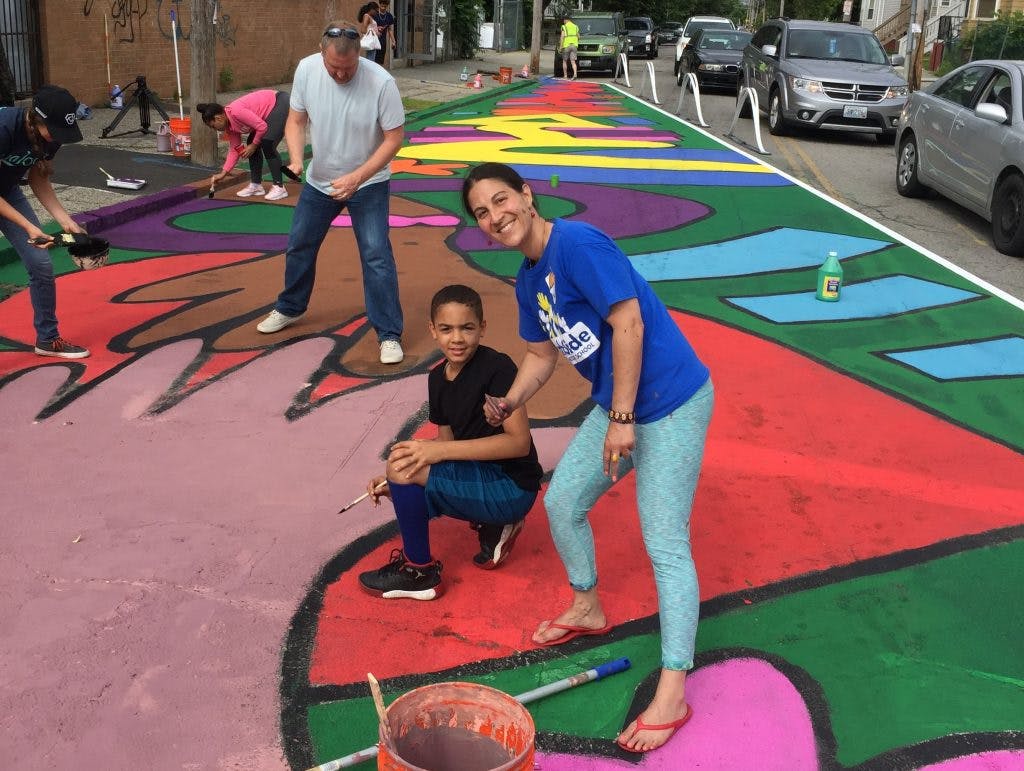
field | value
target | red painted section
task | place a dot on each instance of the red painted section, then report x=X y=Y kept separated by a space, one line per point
x=793 y=483
x=335 y=384
x=219 y=363
x=352 y=327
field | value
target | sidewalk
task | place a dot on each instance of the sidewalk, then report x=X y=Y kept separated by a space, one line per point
x=434 y=82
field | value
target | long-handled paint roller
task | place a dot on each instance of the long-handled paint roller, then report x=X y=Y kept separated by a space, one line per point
x=598 y=673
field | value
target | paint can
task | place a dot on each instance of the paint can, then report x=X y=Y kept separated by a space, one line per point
x=181 y=136
x=457 y=725
x=163 y=137
x=504 y=75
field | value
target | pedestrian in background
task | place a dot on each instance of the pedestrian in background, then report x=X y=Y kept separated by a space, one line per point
x=367 y=16
x=261 y=115
x=356 y=124
x=568 y=44
x=386 y=31
x=29 y=139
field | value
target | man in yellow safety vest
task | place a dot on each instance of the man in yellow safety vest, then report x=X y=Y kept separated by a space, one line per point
x=568 y=41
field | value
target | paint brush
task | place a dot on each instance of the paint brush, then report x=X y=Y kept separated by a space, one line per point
x=378 y=702
x=210 y=194
x=291 y=174
x=362 y=497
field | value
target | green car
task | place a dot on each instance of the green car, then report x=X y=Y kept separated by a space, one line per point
x=603 y=37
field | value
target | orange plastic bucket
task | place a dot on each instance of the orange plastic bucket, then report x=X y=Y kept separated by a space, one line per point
x=504 y=75
x=181 y=136
x=457 y=725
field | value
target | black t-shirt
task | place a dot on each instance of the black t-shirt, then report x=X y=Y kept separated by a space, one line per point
x=16 y=155
x=459 y=404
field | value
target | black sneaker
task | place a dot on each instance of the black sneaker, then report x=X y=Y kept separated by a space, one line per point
x=398 y=579
x=60 y=348
x=496 y=542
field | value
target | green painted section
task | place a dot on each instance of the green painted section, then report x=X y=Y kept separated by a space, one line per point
x=899 y=656
x=257 y=218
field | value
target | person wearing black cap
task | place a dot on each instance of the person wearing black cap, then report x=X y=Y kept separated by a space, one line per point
x=29 y=138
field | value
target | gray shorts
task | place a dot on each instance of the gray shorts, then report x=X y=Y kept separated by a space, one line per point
x=569 y=54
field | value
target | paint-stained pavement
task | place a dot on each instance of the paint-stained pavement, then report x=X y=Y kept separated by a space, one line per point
x=181 y=593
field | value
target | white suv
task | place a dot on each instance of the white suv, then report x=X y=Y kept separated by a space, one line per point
x=693 y=24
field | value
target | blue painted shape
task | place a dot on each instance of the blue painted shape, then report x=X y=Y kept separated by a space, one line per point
x=889 y=296
x=629 y=120
x=774 y=250
x=597 y=174
x=1003 y=357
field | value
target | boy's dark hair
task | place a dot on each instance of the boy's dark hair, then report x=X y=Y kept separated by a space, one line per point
x=492 y=170
x=457 y=293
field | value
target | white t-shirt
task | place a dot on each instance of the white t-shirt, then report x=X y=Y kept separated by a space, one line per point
x=346 y=122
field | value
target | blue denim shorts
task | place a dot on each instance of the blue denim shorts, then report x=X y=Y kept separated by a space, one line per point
x=476 y=492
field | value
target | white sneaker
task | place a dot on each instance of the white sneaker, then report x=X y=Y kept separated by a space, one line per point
x=391 y=352
x=251 y=189
x=276 y=193
x=277 y=321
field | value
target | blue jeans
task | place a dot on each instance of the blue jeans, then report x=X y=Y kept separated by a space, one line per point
x=42 y=289
x=369 y=209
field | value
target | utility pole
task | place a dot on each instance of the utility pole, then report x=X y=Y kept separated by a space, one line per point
x=535 y=36
x=203 y=78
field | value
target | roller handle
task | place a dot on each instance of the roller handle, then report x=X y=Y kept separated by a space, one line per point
x=612 y=667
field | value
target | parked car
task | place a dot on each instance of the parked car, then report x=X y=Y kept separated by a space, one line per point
x=714 y=56
x=643 y=40
x=693 y=24
x=670 y=31
x=602 y=38
x=825 y=76
x=963 y=136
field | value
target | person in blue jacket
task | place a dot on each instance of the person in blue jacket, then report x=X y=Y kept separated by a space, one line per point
x=29 y=139
x=580 y=297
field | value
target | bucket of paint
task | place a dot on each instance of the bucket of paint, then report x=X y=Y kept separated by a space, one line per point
x=163 y=137
x=181 y=136
x=504 y=75
x=457 y=725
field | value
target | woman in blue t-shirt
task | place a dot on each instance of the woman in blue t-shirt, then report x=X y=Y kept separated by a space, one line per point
x=29 y=138
x=579 y=296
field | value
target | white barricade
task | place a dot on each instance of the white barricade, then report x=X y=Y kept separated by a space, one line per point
x=654 y=86
x=747 y=94
x=691 y=81
x=622 y=65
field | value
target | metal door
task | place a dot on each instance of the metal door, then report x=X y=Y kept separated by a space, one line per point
x=508 y=25
x=19 y=36
x=429 y=30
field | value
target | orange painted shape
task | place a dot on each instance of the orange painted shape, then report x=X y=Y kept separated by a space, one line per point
x=788 y=488
x=352 y=327
x=218 y=364
x=334 y=384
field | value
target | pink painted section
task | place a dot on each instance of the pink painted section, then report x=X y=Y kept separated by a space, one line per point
x=399 y=221
x=1001 y=760
x=746 y=714
x=157 y=635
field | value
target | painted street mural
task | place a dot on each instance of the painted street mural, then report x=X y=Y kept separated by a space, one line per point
x=858 y=529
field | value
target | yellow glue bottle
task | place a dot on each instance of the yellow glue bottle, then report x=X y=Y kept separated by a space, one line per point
x=830 y=279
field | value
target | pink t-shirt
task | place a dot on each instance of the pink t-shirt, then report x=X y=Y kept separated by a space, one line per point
x=247 y=114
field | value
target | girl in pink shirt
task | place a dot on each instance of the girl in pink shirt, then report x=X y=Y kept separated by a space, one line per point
x=261 y=115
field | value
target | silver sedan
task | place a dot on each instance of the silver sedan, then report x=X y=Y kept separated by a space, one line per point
x=963 y=136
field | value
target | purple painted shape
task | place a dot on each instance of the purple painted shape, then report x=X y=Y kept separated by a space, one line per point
x=746 y=714
x=399 y=221
x=107 y=217
x=153 y=233
x=650 y=212
x=621 y=134
x=996 y=760
x=435 y=140
x=450 y=129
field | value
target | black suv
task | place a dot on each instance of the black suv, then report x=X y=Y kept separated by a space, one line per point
x=643 y=40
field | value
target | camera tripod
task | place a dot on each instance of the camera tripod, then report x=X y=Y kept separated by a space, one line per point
x=142 y=96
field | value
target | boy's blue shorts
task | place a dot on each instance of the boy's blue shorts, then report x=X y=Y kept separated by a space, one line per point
x=476 y=492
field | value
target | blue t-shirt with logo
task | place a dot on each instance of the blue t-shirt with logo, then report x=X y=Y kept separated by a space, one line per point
x=16 y=156
x=566 y=298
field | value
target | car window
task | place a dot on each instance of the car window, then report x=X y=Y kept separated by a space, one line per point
x=838 y=45
x=596 y=26
x=637 y=24
x=999 y=91
x=723 y=40
x=960 y=88
x=692 y=26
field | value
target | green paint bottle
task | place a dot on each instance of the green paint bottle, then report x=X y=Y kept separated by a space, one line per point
x=830 y=279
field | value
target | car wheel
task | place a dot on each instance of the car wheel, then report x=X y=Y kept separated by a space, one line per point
x=1008 y=216
x=654 y=52
x=776 y=121
x=675 y=70
x=907 y=183
x=558 y=67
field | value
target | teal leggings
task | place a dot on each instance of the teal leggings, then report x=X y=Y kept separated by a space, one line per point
x=667 y=459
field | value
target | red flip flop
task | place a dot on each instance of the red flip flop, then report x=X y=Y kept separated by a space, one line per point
x=675 y=725
x=572 y=632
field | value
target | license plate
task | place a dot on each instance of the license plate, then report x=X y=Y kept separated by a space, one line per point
x=855 y=111
x=584 y=62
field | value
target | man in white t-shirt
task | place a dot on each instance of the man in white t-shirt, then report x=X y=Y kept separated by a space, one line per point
x=356 y=123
